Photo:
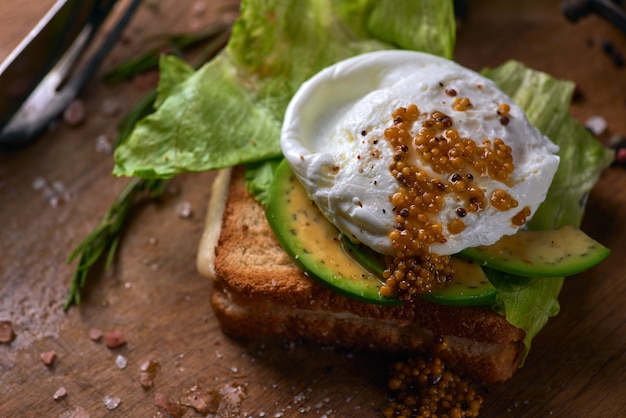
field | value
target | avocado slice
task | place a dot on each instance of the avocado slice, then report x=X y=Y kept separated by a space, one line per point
x=356 y=271
x=350 y=269
x=313 y=242
x=470 y=286
x=549 y=253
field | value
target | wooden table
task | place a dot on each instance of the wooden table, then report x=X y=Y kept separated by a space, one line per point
x=154 y=295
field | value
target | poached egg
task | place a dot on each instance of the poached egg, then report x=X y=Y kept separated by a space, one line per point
x=333 y=136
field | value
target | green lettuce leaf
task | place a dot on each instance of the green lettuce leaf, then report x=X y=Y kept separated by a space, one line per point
x=546 y=102
x=173 y=72
x=230 y=111
x=198 y=125
x=528 y=303
x=259 y=176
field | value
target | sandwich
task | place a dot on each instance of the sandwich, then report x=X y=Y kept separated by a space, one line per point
x=252 y=113
x=259 y=292
x=317 y=261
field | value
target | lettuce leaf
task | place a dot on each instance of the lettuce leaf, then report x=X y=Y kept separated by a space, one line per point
x=528 y=303
x=546 y=102
x=199 y=126
x=230 y=111
x=259 y=176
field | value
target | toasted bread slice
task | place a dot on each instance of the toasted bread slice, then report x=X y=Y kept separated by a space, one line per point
x=259 y=292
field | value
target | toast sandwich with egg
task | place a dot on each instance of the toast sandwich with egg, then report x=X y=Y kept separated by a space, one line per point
x=260 y=293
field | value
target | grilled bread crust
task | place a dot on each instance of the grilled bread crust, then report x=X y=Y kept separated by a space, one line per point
x=260 y=293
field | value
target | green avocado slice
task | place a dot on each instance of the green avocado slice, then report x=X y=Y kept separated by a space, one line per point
x=328 y=257
x=470 y=286
x=547 y=253
x=313 y=242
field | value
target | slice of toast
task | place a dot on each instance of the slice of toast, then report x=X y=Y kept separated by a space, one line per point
x=259 y=292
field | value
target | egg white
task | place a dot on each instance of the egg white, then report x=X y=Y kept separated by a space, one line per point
x=332 y=137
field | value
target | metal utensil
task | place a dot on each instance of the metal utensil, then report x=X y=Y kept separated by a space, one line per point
x=39 y=79
x=610 y=10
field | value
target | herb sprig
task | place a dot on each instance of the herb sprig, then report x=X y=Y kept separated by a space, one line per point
x=175 y=44
x=104 y=240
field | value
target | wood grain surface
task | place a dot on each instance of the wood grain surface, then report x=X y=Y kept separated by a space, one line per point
x=154 y=295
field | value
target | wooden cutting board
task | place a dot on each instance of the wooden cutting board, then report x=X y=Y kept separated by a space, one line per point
x=157 y=299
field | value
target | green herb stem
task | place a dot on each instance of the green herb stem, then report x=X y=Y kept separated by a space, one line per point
x=106 y=236
x=173 y=44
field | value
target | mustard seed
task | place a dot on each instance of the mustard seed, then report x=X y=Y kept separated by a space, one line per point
x=420 y=197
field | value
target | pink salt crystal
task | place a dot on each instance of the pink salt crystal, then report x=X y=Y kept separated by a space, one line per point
x=60 y=393
x=148 y=373
x=620 y=156
x=114 y=339
x=95 y=334
x=6 y=332
x=200 y=399
x=199 y=8
x=174 y=410
x=48 y=357
x=75 y=113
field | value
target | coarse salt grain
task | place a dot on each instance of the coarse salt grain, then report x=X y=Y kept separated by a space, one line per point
x=596 y=124
x=48 y=193
x=58 y=186
x=110 y=107
x=79 y=412
x=111 y=402
x=47 y=357
x=103 y=145
x=6 y=332
x=148 y=373
x=60 y=393
x=55 y=192
x=39 y=183
x=299 y=398
x=183 y=209
x=75 y=113
x=121 y=362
